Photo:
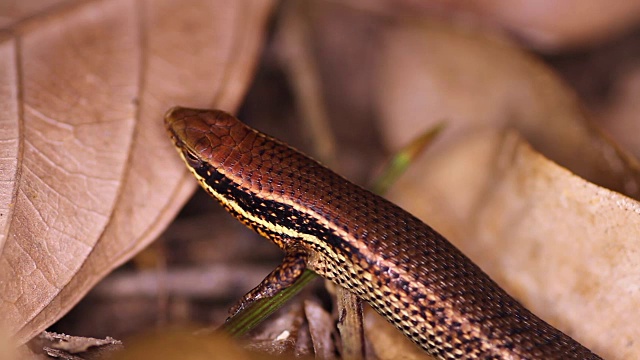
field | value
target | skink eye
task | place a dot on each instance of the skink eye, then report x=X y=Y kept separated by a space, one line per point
x=192 y=159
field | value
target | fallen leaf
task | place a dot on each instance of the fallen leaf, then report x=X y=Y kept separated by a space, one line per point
x=561 y=245
x=569 y=247
x=558 y=26
x=473 y=81
x=549 y=26
x=556 y=230
x=91 y=177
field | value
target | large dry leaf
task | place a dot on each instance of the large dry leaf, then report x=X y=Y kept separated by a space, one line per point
x=548 y=25
x=473 y=81
x=598 y=292
x=562 y=245
x=566 y=247
x=559 y=25
x=88 y=175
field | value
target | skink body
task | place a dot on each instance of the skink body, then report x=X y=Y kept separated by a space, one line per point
x=403 y=268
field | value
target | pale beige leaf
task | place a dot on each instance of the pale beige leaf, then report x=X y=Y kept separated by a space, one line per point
x=430 y=72
x=547 y=25
x=561 y=245
x=75 y=136
x=96 y=177
x=565 y=247
x=568 y=246
x=560 y=25
x=9 y=129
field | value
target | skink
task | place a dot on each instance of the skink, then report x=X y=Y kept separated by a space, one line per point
x=403 y=268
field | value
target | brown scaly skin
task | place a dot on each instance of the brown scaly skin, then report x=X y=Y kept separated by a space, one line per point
x=404 y=269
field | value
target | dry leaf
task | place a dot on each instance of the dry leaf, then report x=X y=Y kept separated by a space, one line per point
x=561 y=25
x=562 y=245
x=472 y=81
x=558 y=243
x=571 y=248
x=88 y=175
x=545 y=25
x=556 y=25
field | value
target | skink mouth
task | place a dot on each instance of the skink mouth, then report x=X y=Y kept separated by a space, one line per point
x=179 y=144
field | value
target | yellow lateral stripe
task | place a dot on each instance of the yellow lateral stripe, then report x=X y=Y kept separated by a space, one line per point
x=271 y=226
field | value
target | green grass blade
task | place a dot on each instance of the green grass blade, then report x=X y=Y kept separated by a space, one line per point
x=403 y=158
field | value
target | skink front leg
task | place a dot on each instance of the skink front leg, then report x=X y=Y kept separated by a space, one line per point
x=282 y=277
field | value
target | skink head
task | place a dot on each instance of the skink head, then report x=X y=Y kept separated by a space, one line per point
x=223 y=152
x=204 y=136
